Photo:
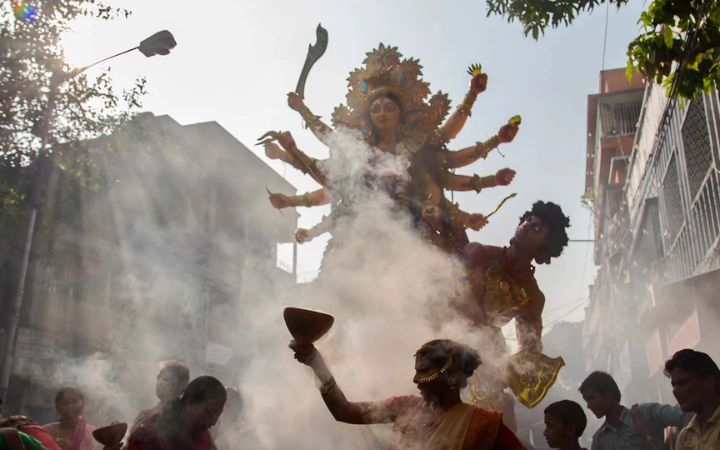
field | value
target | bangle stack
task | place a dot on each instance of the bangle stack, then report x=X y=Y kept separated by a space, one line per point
x=465 y=107
x=301 y=200
x=483 y=148
x=478 y=183
x=309 y=118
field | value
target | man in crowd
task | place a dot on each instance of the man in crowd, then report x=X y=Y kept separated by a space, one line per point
x=695 y=380
x=565 y=422
x=172 y=379
x=640 y=427
x=437 y=419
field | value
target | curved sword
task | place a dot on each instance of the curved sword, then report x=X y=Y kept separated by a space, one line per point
x=314 y=53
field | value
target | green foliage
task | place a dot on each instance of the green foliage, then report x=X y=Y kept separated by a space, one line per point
x=537 y=15
x=679 y=37
x=679 y=32
x=33 y=75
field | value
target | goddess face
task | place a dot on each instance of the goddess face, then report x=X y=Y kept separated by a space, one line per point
x=385 y=115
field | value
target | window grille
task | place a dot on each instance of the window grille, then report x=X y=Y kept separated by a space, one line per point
x=696 y=144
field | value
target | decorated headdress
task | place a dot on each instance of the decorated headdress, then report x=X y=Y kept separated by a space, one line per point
x=386 y=73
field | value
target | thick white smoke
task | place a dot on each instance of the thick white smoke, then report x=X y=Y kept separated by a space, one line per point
x=388 y=290
x=389 y=293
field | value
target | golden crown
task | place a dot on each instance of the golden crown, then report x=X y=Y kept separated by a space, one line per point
x=386 y=73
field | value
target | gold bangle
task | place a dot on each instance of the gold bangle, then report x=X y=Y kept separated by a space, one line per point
x=483 y=148
x=466 y=105
x=478 y=183
x=464 y=110
x=301 y=200
x=309 y=117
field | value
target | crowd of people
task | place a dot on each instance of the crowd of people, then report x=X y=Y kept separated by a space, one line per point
x=439 y=420
x=205 y=415
x=695 y=380
x=185 y=418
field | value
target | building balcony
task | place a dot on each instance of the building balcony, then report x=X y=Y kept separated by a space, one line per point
x=619 y=112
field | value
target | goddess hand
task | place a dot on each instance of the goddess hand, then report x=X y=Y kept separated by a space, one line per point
x=503 y=177
x=479 y=83
x=286 y=140
x=295 y=102
x=507 y=133
x=302 y=235
x=304 y=353
x=475 y=221
x=273 y=151
x=279 y=201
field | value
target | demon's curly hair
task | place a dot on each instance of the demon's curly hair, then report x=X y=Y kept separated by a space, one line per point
x=465 y=359
x=557 y=238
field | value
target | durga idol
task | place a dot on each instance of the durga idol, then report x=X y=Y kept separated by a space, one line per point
x=388 y=103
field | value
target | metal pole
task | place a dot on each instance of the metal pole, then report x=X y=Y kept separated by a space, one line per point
x=20 y=290
x=17 y=304
x=55 y=80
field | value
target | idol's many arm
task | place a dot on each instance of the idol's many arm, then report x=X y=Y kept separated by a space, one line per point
x=292 y=155
x=318 y=128
x=452 y=126
x=468 y=155
x=462 y=183
x=460 y=219
x=476 y=183
x=528 y=324
x=309 y=199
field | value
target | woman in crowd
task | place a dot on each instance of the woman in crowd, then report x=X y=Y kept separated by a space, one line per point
x=72 y=431
x=183 y=423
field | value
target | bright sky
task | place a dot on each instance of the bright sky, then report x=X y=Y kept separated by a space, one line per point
x=236 y=61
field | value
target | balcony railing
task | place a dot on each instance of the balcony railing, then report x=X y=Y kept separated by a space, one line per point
x=619 y=112
x=686 y=173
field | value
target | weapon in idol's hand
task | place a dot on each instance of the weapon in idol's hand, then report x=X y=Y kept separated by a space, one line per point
x=314 y=53
x=501 y=203
x=270 y=194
